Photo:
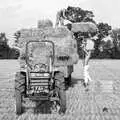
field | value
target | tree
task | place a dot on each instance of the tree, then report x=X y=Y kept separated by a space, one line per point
x=104 y=29
x=76 y=14
x=3 y=39
x=116 y=37
x=17 y=36
x=5 y=51
x=4 y=48
x=110 y=47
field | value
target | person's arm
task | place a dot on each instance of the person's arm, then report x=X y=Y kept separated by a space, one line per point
x=60 y=17
x=64 y=14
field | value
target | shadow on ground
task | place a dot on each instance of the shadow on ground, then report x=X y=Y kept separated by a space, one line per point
x=40 y=107
x=73 y=82
x=44 y=107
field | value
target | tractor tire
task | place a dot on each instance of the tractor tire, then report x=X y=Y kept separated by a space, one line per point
x=19 y=90
x=68 y=81
x=60 y=88
x=18 y=102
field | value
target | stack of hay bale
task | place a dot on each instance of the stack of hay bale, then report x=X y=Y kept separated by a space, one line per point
x=65 y=44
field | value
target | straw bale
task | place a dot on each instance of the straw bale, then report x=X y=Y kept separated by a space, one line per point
x=84 y=27
x=45 y=23
x=65 y=44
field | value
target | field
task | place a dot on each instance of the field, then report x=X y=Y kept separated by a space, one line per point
x=101 y=101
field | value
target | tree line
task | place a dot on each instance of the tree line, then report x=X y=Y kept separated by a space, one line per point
x=5 y=51
x=76 y=14
x=110 y=48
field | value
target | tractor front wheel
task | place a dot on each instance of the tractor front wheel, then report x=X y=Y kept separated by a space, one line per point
x=19 y=90
x=60 y=89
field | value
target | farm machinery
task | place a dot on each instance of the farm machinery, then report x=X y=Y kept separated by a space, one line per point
x=46 y=62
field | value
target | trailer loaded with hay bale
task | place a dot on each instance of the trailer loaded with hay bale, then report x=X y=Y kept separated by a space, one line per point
x=86 y=33
x=47 y=56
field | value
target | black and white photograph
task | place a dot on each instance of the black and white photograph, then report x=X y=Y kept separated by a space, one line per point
x=59 y=60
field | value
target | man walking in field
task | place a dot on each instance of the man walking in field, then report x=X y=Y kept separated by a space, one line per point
x=88 y=48
x=84 y=26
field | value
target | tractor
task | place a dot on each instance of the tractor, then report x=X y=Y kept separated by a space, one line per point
x=39 y=80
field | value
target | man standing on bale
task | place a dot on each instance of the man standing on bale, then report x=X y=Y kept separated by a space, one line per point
x=60 y=17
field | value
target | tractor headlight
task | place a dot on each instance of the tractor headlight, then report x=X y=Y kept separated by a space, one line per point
x=46 y=74
x=33 y=74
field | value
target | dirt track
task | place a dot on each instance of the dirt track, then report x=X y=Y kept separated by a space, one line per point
x=104 y=92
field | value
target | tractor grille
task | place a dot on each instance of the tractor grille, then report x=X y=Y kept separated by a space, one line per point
x=39 y=82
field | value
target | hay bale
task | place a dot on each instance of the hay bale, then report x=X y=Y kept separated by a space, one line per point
x=65 y=44
x=84 y=27
x=45 y=23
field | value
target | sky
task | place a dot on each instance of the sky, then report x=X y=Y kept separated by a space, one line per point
x=17 y=14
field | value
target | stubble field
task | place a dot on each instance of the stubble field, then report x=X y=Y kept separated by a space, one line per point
x=100 y=102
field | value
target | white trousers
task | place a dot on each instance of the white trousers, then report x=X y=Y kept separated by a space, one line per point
x=87 y=77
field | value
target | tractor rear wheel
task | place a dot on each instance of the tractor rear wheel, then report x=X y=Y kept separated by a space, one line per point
x=19 y=90
x=69 y=80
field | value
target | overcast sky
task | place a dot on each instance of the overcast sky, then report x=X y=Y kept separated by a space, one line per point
x=16 y=14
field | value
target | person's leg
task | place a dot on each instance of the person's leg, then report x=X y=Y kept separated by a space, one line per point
x=86 y=67
x=87 y=57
